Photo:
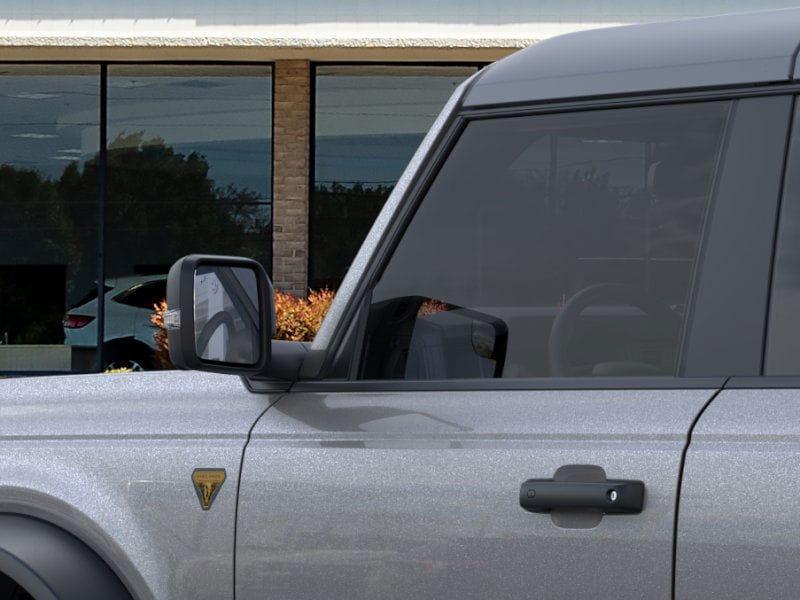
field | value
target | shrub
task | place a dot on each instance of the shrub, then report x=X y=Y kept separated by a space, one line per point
x=160 y=336
x=299 y=319
x=296 y=319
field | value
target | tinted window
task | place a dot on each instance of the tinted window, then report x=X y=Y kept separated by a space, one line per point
x=557 y=245
x=144 y=295
x=189 y=155
x=189 y=171
x=783 y=339
x=49 y=138
x=369 y=120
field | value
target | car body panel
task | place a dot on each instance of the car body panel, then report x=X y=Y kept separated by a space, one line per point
x=738 y=49
x=738 y=529
x=416 y=494
x=110 y=458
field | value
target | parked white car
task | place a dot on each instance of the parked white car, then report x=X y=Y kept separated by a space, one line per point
x=128 y=336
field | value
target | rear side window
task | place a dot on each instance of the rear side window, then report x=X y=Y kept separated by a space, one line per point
x=551 y=246
x=144 y=295
x=783 y=337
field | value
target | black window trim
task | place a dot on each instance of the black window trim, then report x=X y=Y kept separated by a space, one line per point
x=714 y=324
x=699 y=262
x=419 y=186
x=776 y=236
x=510 y=384
x=765 y=382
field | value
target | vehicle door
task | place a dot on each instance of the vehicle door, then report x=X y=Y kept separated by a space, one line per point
x=738 y=532
x=534 y=313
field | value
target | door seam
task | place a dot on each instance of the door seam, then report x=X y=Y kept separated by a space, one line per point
x=239 y=483
x=680 y=482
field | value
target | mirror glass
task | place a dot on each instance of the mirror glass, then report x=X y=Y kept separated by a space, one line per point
x=226 y=314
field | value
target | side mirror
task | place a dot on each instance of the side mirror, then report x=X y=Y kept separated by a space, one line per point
x=220 y=316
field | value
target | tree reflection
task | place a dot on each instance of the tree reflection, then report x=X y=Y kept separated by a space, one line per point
x=342 y=216
x=162 y=204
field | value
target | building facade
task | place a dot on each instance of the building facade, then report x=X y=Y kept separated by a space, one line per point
x=134 y=133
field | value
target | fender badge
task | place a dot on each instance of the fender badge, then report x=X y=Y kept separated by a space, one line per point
x=207 y=483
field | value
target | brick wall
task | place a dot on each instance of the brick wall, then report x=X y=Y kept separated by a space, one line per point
x=291 y=176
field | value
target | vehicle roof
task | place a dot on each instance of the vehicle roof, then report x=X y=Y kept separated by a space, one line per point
x=737 y=49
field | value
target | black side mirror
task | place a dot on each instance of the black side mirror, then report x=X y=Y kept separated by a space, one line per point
x=221 y=314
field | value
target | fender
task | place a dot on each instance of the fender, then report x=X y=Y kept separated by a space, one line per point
x=52 y=564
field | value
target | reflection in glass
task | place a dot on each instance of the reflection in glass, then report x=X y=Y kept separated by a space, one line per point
x=189 y=171
x=783 y=337
x=226 y=315
x=369 y=120
x=49 y=138
x=578 y=232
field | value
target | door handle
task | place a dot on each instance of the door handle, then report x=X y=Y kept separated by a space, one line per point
x=613 y=496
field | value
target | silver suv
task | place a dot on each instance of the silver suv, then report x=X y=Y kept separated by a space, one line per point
x=564 y=364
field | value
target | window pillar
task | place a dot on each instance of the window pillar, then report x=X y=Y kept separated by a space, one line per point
x=291 y=176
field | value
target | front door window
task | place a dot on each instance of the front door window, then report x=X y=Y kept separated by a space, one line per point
x=552 y=246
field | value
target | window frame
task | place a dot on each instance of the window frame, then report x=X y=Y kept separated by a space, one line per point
x=764 y=379
x=688 y=376
x=102 y=184
x=731 y=224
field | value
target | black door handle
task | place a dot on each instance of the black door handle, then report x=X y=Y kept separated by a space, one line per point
x=613 y=496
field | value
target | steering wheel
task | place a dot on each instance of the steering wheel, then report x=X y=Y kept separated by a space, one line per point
x=602 y=293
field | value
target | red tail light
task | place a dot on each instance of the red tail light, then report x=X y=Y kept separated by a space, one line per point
x=76 y=321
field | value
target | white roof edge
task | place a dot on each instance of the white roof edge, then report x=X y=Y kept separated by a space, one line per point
x=260 y=42
x=185 y=33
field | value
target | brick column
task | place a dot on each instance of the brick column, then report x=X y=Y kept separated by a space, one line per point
x=290 y=166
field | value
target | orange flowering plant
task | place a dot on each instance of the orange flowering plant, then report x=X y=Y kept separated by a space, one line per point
x=299 y=319
x=160 y=336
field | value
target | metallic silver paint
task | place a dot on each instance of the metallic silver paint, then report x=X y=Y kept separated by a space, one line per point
x=110 y=458
x=415 y=494
x=739 y=519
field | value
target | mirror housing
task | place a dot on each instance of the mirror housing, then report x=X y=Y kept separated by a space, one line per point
x=220 y=316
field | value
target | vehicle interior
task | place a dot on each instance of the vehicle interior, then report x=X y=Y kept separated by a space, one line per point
x=602 y=215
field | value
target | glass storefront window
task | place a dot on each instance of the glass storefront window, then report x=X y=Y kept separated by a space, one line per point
x=189 y=171
x=49 y=139
x=368 y=121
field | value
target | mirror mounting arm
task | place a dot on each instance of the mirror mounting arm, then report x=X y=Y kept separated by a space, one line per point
x=283 y=370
